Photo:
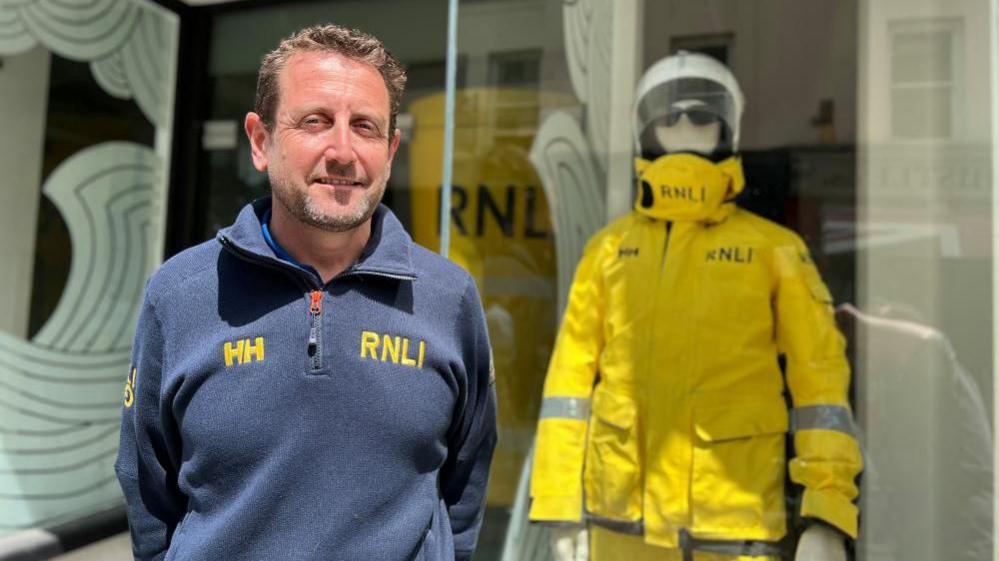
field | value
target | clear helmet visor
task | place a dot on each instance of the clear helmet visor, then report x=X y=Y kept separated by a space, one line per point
x=690 y=102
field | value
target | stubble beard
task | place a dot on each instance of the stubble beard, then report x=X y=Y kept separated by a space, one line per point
x=301 y=205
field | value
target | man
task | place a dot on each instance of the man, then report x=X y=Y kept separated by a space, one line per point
x=311 y=384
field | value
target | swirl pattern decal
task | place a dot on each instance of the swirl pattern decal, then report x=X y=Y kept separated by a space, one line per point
x=130 y=46
x=60 y=394
x=105 y=194
x=80 y=30
x=588 y=28
x=572 y=186
x=110 y=74
x=14 y=36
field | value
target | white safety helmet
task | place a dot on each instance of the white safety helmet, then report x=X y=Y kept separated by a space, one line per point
x=687 y=76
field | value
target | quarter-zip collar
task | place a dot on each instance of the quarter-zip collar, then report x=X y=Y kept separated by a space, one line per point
x=388 y=252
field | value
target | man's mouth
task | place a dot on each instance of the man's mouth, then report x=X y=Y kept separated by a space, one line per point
x=338 y=181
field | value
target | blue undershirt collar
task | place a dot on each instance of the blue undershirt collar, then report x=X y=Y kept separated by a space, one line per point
x=278 y=250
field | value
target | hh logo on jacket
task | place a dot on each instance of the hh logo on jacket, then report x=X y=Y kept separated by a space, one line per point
x=394 y=349
x=243 y=351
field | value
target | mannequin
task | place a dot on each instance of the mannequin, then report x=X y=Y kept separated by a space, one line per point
x=690 y=142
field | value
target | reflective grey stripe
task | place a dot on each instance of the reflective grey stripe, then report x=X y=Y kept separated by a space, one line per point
x=565 y=408
x=736 y=548
x=828 y=417
x=636 y=528
x=749 y=548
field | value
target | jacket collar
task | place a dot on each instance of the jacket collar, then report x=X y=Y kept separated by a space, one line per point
x=388 y=252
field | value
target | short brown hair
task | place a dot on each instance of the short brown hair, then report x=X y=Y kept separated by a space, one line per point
x=351 y=43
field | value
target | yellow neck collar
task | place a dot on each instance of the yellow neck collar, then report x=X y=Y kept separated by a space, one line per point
x=688 y=187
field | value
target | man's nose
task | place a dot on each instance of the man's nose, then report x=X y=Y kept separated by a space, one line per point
x=339 y=145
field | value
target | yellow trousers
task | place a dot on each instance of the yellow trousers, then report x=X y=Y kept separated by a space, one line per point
x=607 y=545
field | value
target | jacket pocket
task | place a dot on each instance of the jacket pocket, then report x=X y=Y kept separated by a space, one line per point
x=737 y=481
x=612 y=478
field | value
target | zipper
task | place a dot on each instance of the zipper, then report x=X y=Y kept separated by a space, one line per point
x=316 y=330
x=361 y=273
x=662 y=262
x=655 y=326
x=315 y=346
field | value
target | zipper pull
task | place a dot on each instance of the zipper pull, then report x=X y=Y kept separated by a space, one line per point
x=315 y=310
x=316 y=307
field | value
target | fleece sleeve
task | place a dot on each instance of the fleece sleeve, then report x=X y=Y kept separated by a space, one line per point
x=472 y=439
x=147 y=454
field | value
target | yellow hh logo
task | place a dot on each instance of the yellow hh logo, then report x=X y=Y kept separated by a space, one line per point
x=243 y=351
x=130 y=388
x=393 y=349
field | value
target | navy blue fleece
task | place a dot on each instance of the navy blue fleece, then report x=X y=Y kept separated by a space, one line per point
x=306 y=441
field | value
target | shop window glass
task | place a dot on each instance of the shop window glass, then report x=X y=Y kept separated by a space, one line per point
x=859 y=136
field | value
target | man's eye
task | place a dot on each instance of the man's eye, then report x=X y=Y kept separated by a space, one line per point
x=312 y=121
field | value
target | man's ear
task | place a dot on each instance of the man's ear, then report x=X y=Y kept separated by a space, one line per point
x=394 y=144
x=392 y=147
x=259 y=136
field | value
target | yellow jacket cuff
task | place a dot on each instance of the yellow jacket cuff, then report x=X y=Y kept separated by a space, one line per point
x=832 y=508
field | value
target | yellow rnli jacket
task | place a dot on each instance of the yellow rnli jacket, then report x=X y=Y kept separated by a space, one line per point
x=663 y=406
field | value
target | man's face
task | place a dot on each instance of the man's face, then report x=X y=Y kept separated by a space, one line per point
x=329 y=153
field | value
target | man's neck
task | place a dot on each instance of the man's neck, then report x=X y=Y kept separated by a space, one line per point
x=329 y=253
